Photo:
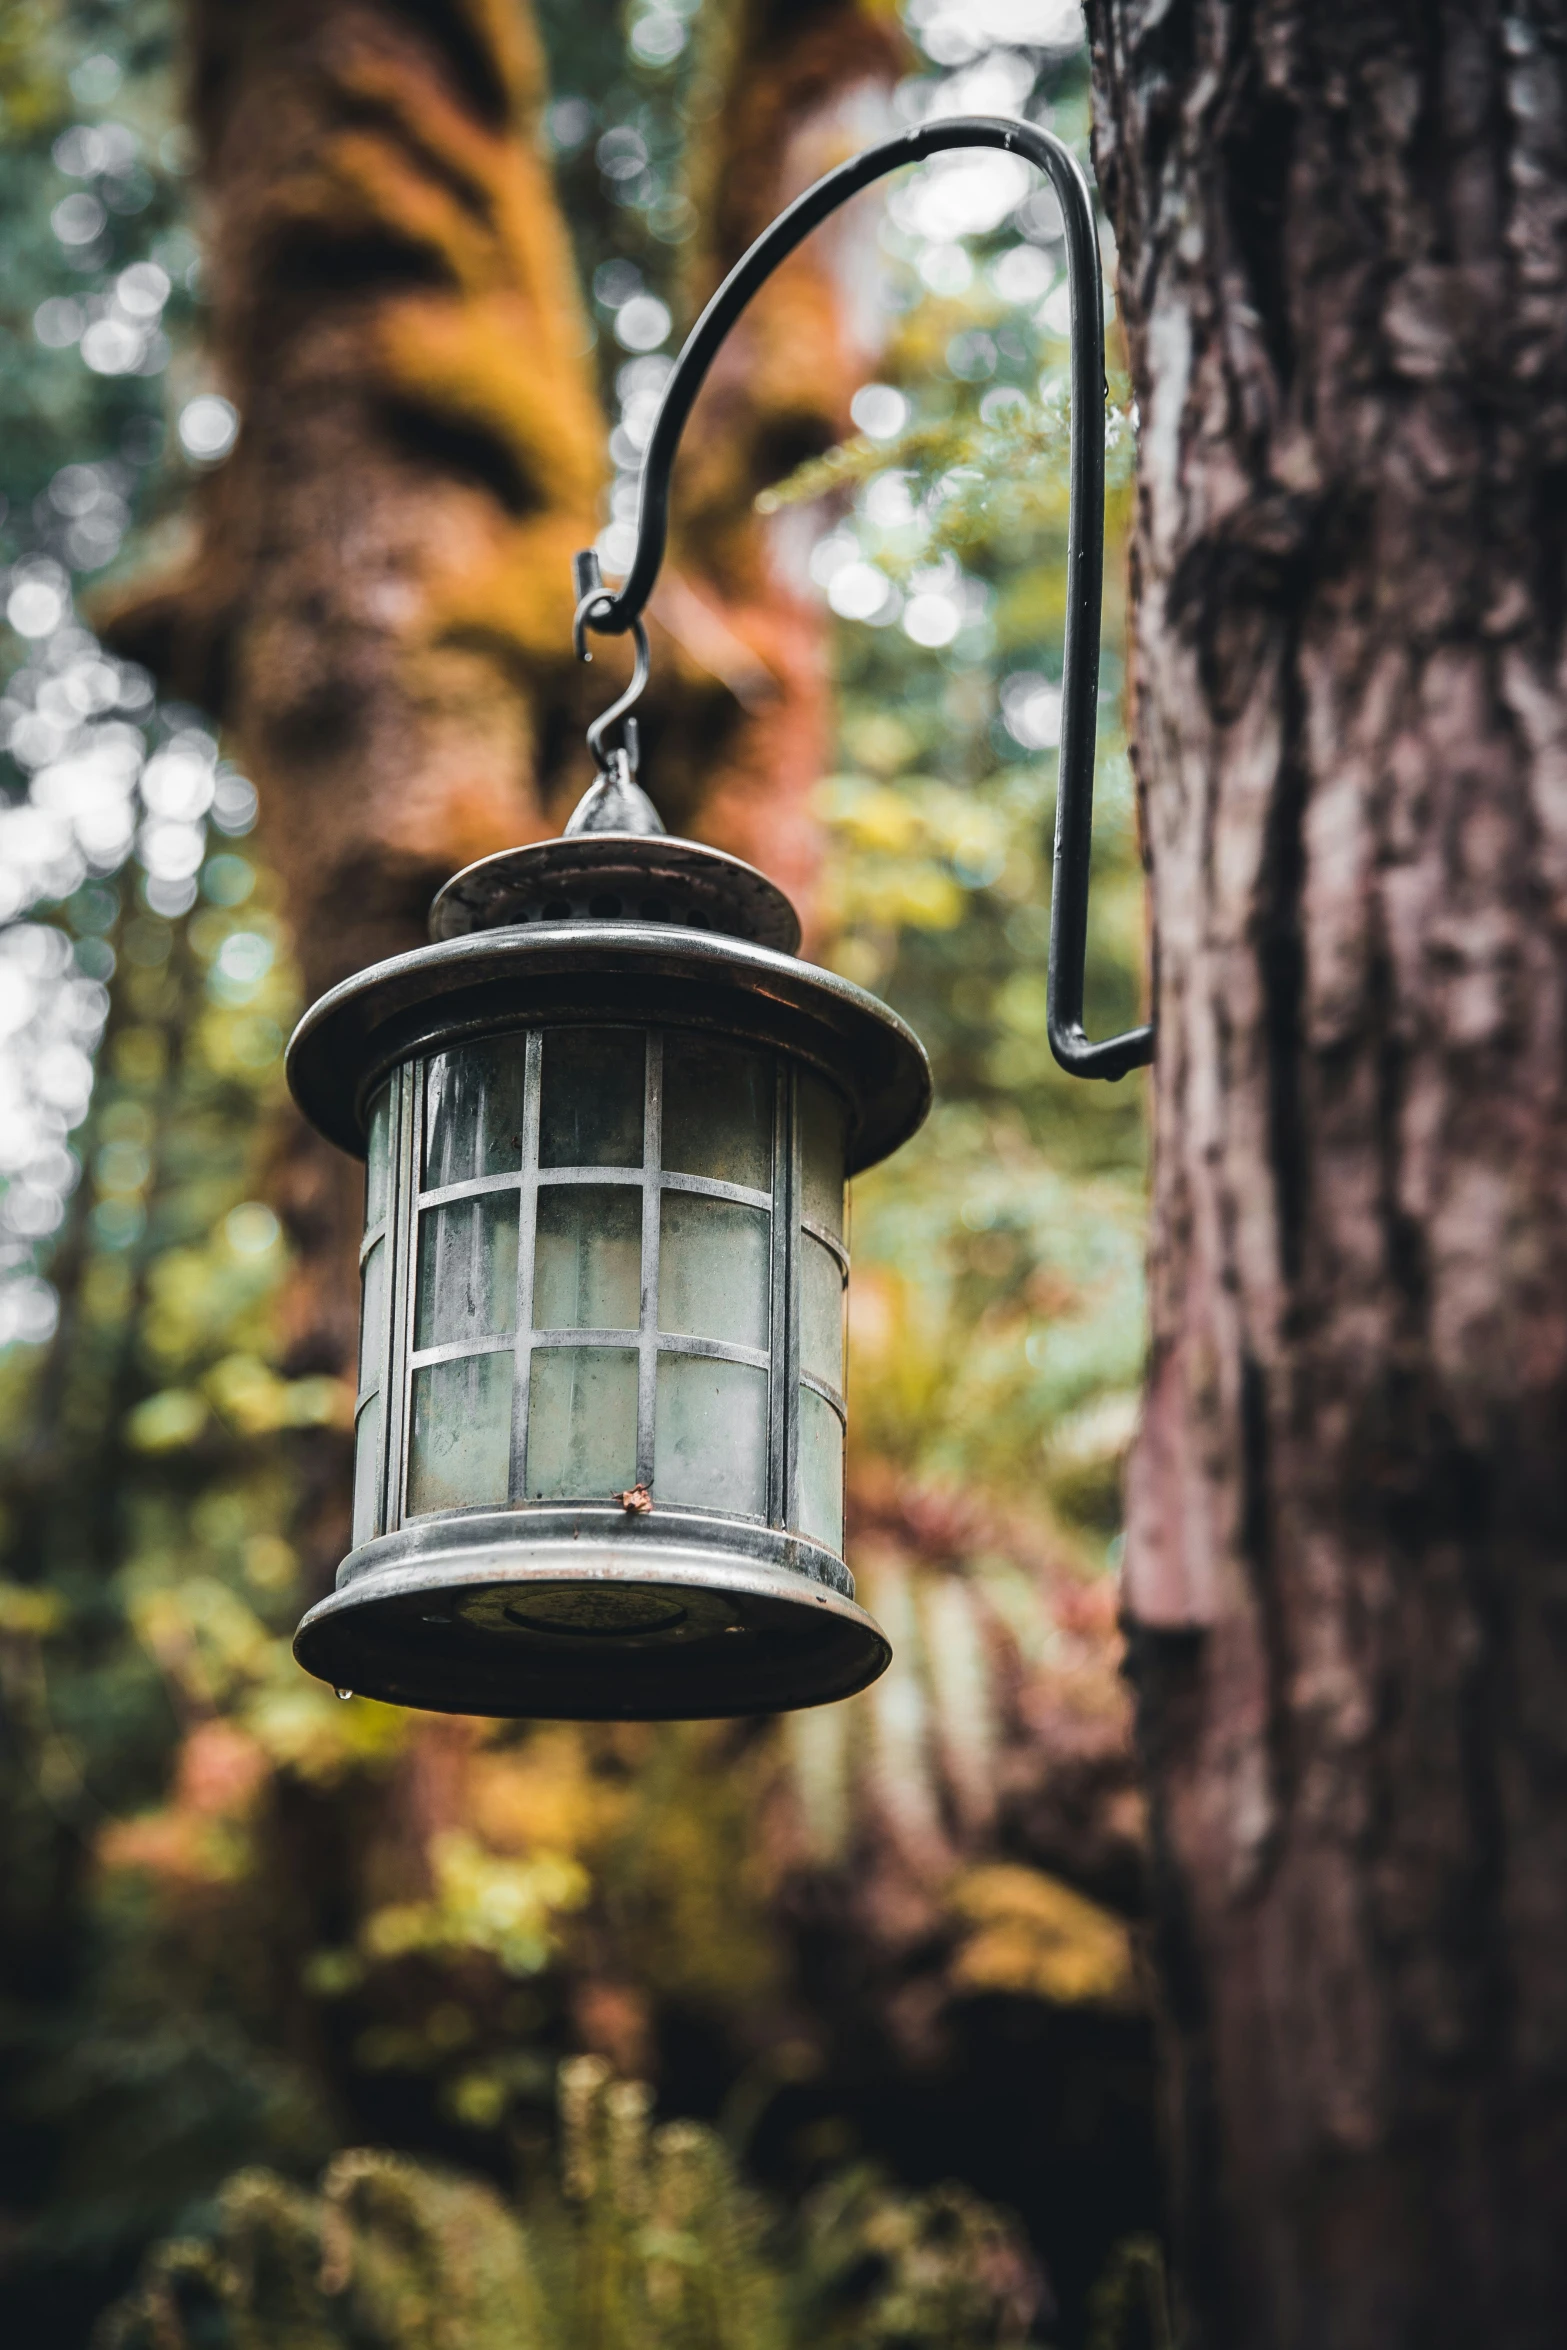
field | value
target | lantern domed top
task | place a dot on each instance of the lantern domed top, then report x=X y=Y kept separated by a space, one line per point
x=616 y=863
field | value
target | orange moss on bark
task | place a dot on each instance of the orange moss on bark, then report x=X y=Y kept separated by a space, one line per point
x=378 y=595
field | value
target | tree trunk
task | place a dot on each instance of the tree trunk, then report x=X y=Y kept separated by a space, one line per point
x=1343 y=236
x=805 y=85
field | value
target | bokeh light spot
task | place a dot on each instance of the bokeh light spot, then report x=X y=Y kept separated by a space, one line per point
x=208 y=427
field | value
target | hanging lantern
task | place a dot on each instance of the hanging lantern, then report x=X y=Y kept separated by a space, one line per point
x=608 y=1118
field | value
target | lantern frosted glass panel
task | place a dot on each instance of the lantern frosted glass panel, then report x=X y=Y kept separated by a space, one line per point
x=378 y=1153
x=473 y=1101
x=823 y=1153
x=821 y=1471
x=821 y=1313
x=587 y=1270
x=459 y=1447
x=367 y=1470
x=592 y=1109
x=582 y=1423
x=711 y=1445
x=713 y=1269
x=823 y=1124
x=718 y=1112
x=375 y=1282
x=467 y=1270
x=372 y=1316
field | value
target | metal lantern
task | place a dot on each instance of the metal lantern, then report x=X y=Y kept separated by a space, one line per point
x=608 y=1117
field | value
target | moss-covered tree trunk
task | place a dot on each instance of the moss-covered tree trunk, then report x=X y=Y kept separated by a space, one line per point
x=382 y=588
x=1344 y=275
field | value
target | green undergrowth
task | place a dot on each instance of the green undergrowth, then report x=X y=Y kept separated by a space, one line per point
x=646 y=2239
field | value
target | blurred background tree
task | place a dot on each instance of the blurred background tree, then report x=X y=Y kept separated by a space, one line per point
x=316 y=321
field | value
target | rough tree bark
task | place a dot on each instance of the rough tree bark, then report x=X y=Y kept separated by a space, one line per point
x=1343 y=237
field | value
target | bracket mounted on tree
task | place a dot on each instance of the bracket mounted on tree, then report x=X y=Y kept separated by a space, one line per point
x=612 y=612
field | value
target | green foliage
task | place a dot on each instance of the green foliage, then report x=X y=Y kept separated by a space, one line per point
x=387 y=2254
x=652 y=2243
x=1130 y=2307
x=93 y=86
x=998 y=466
x=152 y=1584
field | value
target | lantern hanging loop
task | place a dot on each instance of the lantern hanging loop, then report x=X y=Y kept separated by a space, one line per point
x=617 y=713
x=612 y=612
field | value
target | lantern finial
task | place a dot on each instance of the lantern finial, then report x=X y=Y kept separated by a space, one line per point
x=616 y=802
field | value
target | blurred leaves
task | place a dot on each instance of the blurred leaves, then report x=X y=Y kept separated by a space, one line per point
x=654 y=2244
x=991 y=467
x=506 y=1908
x=1028 y=1933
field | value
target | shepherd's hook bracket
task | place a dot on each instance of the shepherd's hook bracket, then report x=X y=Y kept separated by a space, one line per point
x=611 y=612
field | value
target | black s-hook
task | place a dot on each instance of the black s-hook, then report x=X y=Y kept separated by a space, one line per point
x=590 y=591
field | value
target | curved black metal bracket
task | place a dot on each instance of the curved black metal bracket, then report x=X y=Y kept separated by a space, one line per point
x=611 y=613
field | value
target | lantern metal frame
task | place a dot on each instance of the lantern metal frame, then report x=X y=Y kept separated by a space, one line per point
x=450 y=1611
x=628 y=1605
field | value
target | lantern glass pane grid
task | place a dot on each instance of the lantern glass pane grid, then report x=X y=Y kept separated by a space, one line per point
x=372 y=1313
x=823 y=1274
x=367 y=1470
x=712 y=1435
x=713 y=1262
x=592 y=1110
x=378 y=1160
x=595 y=1293
x=821 y=1313
x=821 y=1470
x=822 y=1155
x=718 y=1113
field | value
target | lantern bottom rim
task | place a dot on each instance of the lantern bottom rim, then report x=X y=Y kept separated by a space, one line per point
x=520 y=1615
